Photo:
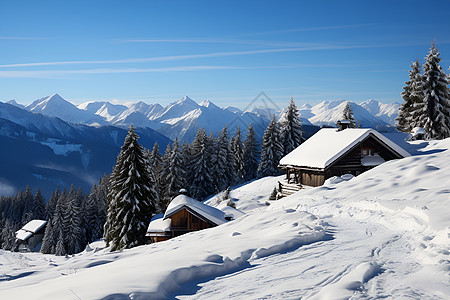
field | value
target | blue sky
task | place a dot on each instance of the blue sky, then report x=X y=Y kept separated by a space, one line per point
x=227 y=51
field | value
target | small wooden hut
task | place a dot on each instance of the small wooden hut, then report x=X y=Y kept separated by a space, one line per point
x=184 y=215
x=335 y=152
x=30 y=236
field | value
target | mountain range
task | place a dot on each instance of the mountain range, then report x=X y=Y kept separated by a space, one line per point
x=181 y=119
x=45 y=152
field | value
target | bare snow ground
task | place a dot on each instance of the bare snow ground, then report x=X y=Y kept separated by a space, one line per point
x=382 y=234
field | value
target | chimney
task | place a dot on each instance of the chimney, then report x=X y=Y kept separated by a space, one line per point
x=343 y=124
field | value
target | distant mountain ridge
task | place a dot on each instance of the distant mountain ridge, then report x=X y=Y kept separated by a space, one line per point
x=181 y=119
x=45 y=152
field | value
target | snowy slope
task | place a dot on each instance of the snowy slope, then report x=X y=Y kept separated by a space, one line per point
x=383 y=234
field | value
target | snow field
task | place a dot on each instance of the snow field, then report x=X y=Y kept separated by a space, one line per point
x=383 y=234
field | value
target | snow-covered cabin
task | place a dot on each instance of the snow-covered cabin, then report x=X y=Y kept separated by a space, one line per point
x=184 y=215
x=30 y=236
x=333 y=152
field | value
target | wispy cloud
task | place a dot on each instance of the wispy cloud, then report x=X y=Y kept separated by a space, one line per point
x=191 y=56
x=305 y=29
x=58 y=73
x=54 y=73
x=18 y=38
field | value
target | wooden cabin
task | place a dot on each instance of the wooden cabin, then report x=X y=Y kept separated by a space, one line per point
x=335 y=152
x=184 y=215
x=30 y=236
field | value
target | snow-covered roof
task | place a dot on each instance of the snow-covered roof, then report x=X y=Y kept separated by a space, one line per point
x=30 y=228
x=210 y=213
x=34 y=225
x=328 y=144
x=159 y=224
x=23 y=234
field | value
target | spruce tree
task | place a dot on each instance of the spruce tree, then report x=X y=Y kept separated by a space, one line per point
x=291 y=133
x=413 y=107
x=250 y=155
x=132 y=196
x=222 y=162
x=39 y=206
x=177 y=170
x=163 y=180
x=200 y=179
x=47 y=242
x=238 y=153
x=347 y=114
x=73 y=228
x=51 y=204
x=436 y=118
x=271 y=151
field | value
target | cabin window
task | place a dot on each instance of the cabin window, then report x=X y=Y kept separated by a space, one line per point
x=366 y=151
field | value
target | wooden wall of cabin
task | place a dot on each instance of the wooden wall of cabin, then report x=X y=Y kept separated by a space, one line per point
x=312 y=178
x=183 y=222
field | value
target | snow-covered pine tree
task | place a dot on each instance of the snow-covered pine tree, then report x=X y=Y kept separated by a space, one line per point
x=58 y=223
x=250 y=155
x=47 y=242
x=132 y=196
x=222 y=161
x=291 y=133
x=200 y=179
x=271 y=151
x=163 y=180
x=237 y=149
x=38 y=209
x=413 y=107
x=60 y=249
x=347 y=114
x=27 y=214
x=51 y=204
x=436 y=118
x=177 y=170
x=72 y=223
x=155 y=162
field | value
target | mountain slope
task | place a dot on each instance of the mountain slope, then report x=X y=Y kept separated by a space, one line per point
x=56 y=106
x=45 y=151
x=386 y=112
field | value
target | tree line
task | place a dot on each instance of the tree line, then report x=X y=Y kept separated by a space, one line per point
x=427 y=98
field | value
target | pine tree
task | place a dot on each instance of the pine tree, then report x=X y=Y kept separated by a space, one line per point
x=250 y=155
x=436 y=118
x=38 y=209
x=47 y=241
x=60 y=249
x=237 y=149
x=412 y=94
x=347 y=114
x=51 y=205
x=200 y=179
x=73 y=227
x=291 y=133
x=271 y=151
x=222 y=162
x=177 y=170
x=132 y=196
x=163 y=180
x=27 y=214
